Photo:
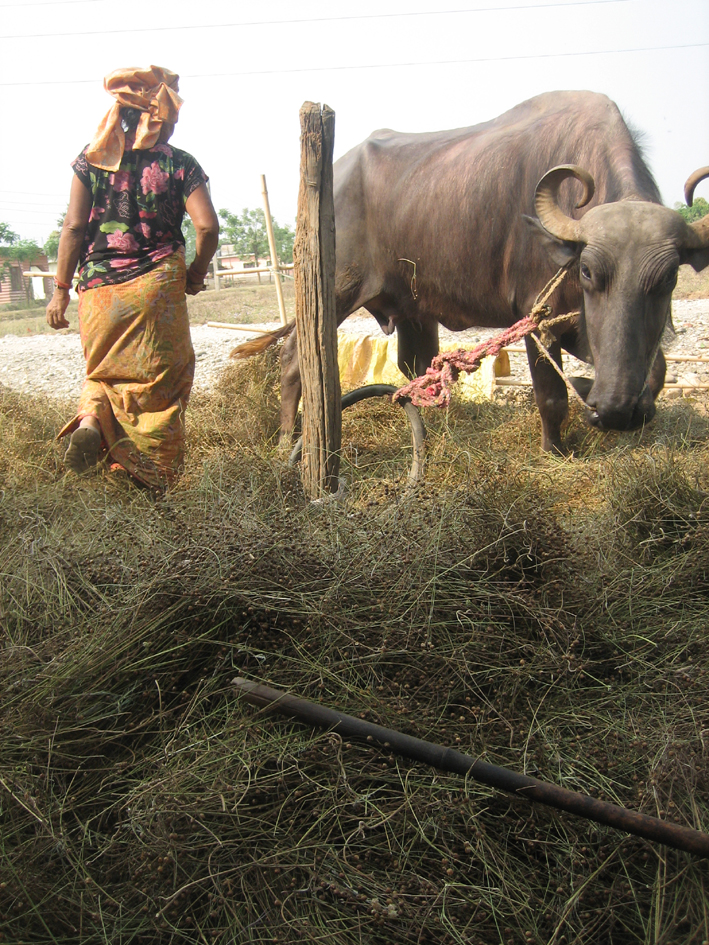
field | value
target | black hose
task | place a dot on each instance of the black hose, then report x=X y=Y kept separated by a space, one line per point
x=448 y=759
x=418 y=432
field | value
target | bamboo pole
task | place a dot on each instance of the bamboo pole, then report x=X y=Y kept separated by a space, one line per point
x=510 y=382
x=256 y=331
x=517 y=349
x=316 y=320
x=251 y=272
x=272 y=247
x=448 y=759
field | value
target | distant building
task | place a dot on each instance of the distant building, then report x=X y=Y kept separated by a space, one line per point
x=16 y=283
x=240 y=265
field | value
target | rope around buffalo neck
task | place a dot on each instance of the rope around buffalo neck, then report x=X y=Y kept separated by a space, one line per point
x=435 y=386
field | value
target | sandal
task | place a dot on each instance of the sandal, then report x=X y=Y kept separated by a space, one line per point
x=84 y=447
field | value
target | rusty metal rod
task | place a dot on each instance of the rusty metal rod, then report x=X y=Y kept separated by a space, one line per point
x=448 y=759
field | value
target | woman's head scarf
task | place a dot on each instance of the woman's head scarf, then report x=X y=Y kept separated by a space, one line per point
x=152 y=91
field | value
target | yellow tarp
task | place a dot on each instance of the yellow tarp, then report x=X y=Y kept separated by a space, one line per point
x=366 y=359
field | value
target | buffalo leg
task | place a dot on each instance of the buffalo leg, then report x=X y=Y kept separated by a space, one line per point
x=549 y=394
x=291 y=387
x=417 y=346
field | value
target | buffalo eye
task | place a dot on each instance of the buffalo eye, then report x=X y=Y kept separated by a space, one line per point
x=667 y=282
x=595 y=278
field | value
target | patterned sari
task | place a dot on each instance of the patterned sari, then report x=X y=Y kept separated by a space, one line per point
x=139 y=370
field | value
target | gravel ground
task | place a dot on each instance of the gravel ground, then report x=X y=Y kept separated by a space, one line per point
x=54 y=364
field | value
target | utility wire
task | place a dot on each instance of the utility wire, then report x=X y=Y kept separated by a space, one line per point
x=45 y=213
x=46 y=3
x=386 y=65
x=30 y=193
x=318 y=19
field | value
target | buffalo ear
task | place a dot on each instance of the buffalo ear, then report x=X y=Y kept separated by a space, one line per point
x=560 y=251
x=698 y=259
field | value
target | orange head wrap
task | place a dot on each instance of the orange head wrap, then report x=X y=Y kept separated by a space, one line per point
x=154 y=92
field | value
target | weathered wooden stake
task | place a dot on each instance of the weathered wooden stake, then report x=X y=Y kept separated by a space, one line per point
x=316 y=320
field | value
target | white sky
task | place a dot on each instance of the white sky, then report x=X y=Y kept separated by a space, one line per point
x=246 y=69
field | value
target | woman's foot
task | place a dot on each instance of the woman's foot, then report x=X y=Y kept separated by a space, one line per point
x=84 y=447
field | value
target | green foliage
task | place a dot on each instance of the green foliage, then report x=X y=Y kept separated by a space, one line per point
x=7 y=236
x=51 y=244
x=248 y=234
x=190 y=235
x=699 y=209
x=21 y=251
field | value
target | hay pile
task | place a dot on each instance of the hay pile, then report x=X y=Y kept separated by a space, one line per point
x=549 y=616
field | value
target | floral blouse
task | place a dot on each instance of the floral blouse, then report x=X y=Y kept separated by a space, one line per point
x=136 y=218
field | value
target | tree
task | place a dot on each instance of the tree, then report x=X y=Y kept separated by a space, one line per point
x=188 y=231
x=699 y=209
x=7 y=236
x=249 y=236
x=51 y=246
x=284 y=237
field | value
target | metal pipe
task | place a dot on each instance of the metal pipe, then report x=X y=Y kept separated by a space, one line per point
x=448 y=759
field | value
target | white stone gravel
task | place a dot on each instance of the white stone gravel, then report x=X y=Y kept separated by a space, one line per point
x=54 y=363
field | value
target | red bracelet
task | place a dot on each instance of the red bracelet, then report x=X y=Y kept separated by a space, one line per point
x=61 y=285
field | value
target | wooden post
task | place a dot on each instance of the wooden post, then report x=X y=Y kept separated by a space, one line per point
x=274 y=257
x=316 y=319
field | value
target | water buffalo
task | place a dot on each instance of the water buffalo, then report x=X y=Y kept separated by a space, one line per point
x=463 y=228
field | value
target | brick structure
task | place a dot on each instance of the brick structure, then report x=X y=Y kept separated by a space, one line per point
x=13 y=287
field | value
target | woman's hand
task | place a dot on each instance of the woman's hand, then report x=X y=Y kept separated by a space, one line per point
x=195 y=281
x=57 y=307
x=72 y=236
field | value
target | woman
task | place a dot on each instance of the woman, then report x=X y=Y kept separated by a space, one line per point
x=123 y=227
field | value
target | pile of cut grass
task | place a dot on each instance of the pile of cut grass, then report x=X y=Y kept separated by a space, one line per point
x=546 y=615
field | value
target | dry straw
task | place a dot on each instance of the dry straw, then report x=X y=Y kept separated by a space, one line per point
x=547 y=615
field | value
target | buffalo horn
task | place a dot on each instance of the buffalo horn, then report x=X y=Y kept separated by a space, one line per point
x=700 y=228
x=692 y=182
x=546 y=201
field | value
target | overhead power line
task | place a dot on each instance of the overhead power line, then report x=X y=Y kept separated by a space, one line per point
x=47 y=3
x=318 y=19
x=47 y=213
x=388 y=65
x=30 y=193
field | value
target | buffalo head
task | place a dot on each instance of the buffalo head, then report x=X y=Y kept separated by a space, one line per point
x=628 y=253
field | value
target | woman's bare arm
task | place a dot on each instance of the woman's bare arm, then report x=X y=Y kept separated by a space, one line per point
x=206 y=224
x=72 y=236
